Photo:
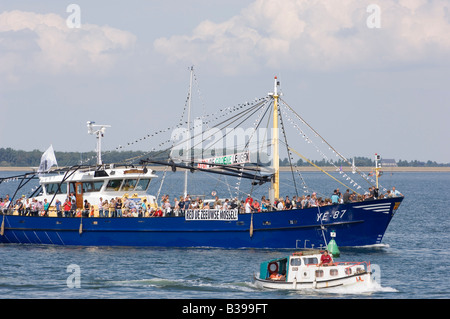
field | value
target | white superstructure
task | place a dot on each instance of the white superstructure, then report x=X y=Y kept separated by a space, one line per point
x=92 y=183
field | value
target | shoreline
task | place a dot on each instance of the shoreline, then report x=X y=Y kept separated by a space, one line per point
x=287 y=169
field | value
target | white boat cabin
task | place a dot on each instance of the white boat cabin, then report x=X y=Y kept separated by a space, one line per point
x=91 y=184
x=303 y=269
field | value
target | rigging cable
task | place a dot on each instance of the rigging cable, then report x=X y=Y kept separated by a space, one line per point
x=321 y=169
x=287 y=149
x=331 y=147
x=251 y=110
x=309 y=140
x=201 y=133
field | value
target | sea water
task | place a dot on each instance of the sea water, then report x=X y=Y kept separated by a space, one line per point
x=412 y=261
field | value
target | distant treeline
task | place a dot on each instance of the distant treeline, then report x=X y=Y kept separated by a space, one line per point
x=18 y=158
x=364 y=161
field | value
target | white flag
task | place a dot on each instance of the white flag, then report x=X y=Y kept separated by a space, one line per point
x=48 y=159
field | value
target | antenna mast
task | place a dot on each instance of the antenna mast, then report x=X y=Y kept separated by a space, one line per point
x=98 y=130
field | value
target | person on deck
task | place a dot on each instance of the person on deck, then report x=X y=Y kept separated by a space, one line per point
x=58 y=208
x=346 y=197
x=305 y=201
x=335 y=198
x=248 y=207
x=67 y=207
x=287 y=203
x=87 y=208
x=396 y=193
x=187 y=202
x=119 y=206
x=325 y=259
x=256 y=206
x=100 y=207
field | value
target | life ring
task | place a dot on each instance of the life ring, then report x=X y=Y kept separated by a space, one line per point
x=273 y=267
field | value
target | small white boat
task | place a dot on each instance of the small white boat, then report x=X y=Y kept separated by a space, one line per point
x=304 y=270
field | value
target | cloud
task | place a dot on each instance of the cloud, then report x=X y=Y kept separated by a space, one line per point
x=314 y=34
x=43 y=42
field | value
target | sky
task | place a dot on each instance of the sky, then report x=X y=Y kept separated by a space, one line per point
x=370 y=76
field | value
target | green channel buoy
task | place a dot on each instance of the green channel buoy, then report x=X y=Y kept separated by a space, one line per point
x=332 y=247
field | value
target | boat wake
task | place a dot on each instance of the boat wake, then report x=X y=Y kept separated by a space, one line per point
x=373 y=287
x=367 y=289
x=190 y=284
x=374 y=246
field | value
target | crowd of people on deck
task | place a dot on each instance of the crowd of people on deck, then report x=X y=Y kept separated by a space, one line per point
x=132 y=207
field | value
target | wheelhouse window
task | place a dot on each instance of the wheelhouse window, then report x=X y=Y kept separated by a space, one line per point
x=296 y=262
x=142 y=185
x=310 y=260
x=92 y=186
x=52 y=189
x=113 y=185
x=129 y=184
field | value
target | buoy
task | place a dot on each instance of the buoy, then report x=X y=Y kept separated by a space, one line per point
x=332 y=246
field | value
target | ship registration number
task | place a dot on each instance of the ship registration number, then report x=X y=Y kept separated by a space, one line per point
x=211 y=214
x=331 y=215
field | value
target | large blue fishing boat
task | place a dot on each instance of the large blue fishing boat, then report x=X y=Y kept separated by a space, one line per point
x=355 y=223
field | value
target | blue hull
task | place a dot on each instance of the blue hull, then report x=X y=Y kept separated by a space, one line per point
x=355 y=224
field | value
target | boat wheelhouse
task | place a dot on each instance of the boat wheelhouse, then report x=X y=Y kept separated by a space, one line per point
x=92 y=183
